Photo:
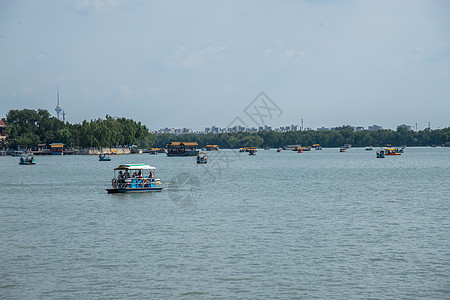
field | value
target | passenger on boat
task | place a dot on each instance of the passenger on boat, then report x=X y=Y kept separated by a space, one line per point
x=121 y=179
x=140 y=179
x=127 y=175
x=150 y=177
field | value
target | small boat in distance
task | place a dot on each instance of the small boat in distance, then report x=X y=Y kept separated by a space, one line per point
x=104 y=157
x=27 y=159
x=212 y=148
x=380 y=154
x=292 y=147
x=369 y=148
x=202 y=158
x=124 y=182
x=152 y=151
x=252 y=151
x=391 y=151
x=317 y=147
x=279 y=150
x=343 y=149
x=182 y=149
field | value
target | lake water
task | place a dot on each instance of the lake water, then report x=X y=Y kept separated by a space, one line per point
x=319 y=224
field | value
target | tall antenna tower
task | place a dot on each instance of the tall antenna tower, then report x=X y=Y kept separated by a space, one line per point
x=58 y=107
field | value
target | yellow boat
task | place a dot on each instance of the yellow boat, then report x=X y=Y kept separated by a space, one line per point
x=391 y=151
x=212 y=148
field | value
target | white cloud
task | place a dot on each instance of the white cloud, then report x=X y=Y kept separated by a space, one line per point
x=267 y=54
x=294 y=56
x=96 y=4
x=416 y=54
x=186 y=57
x=41 y=57
x=27 y=90
x=85 y=90
x=128 y=94
x=125 y=92
x=279 y=57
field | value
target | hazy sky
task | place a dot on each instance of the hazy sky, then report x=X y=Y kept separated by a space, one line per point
x=200 y=63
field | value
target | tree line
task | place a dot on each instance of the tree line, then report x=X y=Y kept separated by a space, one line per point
x=329 y=138
x=32 y=127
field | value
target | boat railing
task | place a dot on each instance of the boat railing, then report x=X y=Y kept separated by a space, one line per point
x=132 y=183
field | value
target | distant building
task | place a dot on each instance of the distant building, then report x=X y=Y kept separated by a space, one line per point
x=58 y=107
x=323 y=129
x=57 y=148
x=407 y=127
x=359 y=128
x=2 y=130
x=375 y=128
x=187 y=130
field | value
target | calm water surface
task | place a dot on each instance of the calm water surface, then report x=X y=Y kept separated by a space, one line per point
x=320 y=224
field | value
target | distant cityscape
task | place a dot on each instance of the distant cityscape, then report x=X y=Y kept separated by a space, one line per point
x=216 y=130
x=61 y=115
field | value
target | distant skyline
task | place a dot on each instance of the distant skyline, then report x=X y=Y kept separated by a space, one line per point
x=196 y=64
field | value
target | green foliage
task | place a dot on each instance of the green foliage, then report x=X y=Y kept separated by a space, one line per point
x=330 y=138
x=30 y=127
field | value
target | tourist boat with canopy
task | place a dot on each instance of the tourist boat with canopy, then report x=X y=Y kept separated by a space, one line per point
x=27 y=159
x=391 y=151
x=248 y=149
x=104 y=157
x=182 y=149
x=380 y=154
x=202 y=158
x=153 y=151
x=131 y=178
x=212 y=148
